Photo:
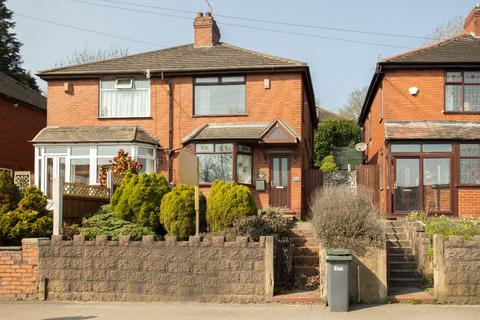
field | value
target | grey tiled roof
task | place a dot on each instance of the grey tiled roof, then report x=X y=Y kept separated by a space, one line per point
x=432 y=130
x=180 y=59
x=461 y=49
x=14 y=89
x=234 y=131
x=54 y=134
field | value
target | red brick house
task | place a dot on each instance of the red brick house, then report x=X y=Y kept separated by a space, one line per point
x=248 y=116
x=421 y=121
x=23 y=112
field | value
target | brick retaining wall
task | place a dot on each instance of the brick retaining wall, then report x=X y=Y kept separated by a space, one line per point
x=457 y=269
x=18 y=271
x=148 y=270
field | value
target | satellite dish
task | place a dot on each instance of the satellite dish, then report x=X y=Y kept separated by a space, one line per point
x=362 y=146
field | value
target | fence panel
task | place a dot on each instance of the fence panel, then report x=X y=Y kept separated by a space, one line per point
x=81 y=201
x=368 y=177
x=313 y=180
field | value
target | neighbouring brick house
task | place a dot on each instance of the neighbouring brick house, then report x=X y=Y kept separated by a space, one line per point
x=23 y=112
x=421 y=121
x=248 y=116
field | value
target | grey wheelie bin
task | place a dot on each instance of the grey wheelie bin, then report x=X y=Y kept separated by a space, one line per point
x=338 y=262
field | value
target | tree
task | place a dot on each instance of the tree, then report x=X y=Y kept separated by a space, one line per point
x=354 y=105
x=334 y=133
x=91 y=54
x=10 y=59
x=448 y=29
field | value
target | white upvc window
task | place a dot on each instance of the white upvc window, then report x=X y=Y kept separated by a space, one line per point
x=124 y=98
x=81 y=163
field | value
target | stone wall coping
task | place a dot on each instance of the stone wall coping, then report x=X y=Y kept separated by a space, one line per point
x=147 y=241
x=12 y=248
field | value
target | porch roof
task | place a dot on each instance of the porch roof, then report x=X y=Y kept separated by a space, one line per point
x=432 y=130
x=95 y=134
x=255 y=131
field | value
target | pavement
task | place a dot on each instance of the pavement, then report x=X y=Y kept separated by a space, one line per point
x=180 y=311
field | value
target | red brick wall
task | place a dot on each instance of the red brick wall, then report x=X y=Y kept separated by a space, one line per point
x=283 y=100
x=469 y=202
x=18 y=125
x=18 y=271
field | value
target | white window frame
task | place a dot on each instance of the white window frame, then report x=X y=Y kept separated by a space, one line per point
x=40 y=160
x=120 y=88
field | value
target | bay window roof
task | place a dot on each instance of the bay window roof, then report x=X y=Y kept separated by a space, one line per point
x=276 y=131
x=432 y=130
x=96 y=134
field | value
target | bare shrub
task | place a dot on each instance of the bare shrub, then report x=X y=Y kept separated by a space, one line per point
x=346 y=218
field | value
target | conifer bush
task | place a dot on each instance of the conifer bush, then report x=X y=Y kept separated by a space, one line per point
x=9 y=193
x=30 y=219
x=138 y=199
x=177 y=211
x=228 y=202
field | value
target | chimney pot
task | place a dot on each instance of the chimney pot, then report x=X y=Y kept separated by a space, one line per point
x=198 y=14
x=208 y=14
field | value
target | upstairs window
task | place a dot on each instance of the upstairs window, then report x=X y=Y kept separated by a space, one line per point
x=124 y=98
x=222 y=95
x=462 y=91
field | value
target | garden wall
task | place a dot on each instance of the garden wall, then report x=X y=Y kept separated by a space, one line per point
x=457 y=269
x=369 y=269
x=18 y=271
x=420 y=247
x=148 y=270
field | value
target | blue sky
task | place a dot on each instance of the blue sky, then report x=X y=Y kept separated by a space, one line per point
x=337 y=67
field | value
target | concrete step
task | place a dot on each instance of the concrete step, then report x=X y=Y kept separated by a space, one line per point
x=399 y=243
x=399 y=250
x=306 y=250
x=400 y=257
x=313 y=261
x=409 y=295
x=402 y=265
x=404 y=283
x=403 y=273
x=302 y=232
x=396 y=236
x=306 y=270
x=302 y=242
x=395 y=223
x=305 y=297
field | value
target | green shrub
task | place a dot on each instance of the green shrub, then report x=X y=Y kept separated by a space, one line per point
x=138 y=199
x=467 y=228
x=269 y=222
x=328 y=164
x=30 y=219
x=9 y=193
x=346 y=218
x=104 y=222
x=335 y=133
x=228 y=202
x=177 y=211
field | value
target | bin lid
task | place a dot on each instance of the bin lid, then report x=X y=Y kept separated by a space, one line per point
x=338 y=255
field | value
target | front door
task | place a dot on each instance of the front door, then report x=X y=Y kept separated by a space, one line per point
x=279 y=181
x=406 y=196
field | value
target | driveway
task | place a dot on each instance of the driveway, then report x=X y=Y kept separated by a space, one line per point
x=197 y=311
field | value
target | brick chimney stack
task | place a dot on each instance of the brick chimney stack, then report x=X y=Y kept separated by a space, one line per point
x=472 y=22
x=207 y=33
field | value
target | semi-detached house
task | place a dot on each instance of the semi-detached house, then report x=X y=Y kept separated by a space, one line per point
x=248 y=116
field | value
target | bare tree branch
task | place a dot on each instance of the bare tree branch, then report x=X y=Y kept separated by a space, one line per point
x=354 y=105
x=448 y=29
x=91 y=54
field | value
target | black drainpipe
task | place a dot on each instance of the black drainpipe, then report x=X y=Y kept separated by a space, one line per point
x=170 y=131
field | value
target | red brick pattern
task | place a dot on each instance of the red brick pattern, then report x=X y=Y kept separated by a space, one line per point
x=18 y=271
x=18 y=125
x=469 y=202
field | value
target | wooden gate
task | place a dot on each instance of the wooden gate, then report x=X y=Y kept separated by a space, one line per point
x=313 y=180
x=368 y=177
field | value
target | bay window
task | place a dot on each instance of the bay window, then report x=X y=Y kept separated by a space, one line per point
x=219 y=95
x=462 y=91
x=121 y=98
x=224 y=161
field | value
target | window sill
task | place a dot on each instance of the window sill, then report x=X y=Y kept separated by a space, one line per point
x=124 y=118
x=219 y=115
x=468 y=185
x=461 y=112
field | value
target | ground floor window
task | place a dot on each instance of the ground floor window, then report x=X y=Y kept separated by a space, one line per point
x=470 y=163
x=224 y=161
x=82 y=163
